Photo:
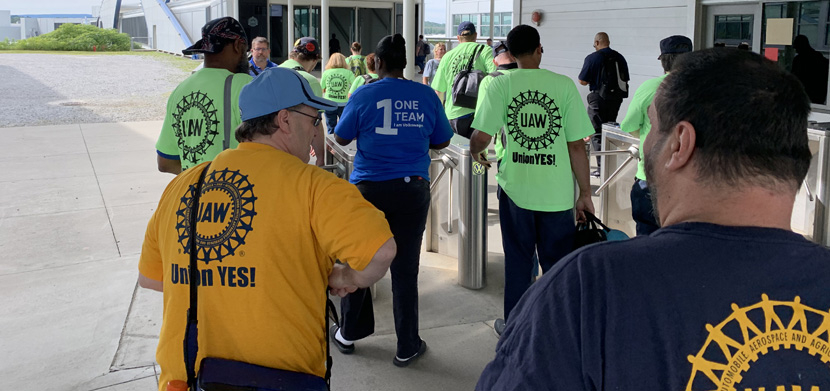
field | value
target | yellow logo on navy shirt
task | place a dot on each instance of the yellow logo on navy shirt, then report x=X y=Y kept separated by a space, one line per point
x=224 y=217
x=753 y=332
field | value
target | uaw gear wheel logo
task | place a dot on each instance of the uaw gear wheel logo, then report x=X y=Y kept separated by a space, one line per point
x=534 y=120
x=459 y=63
x=195 y=124
x=225 y=215
x=753 y=332
x=339 y=86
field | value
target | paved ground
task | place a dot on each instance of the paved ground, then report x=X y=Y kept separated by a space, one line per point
x=74 y=206
x=50 y=89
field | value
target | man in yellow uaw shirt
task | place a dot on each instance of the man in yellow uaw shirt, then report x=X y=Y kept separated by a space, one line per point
x=268 y=229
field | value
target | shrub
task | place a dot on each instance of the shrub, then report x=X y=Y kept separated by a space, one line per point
x=74 y=37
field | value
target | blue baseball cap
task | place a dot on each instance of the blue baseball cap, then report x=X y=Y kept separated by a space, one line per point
x=276 y=89
x=466 y=28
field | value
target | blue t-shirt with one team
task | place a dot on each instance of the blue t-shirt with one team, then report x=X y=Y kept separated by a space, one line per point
x=394 y=121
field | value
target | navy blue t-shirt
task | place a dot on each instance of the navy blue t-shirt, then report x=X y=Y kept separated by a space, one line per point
x=694 y=306
x=394 y=121
x=592 y=68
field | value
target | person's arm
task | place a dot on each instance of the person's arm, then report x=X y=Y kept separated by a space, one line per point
x=581 y=169
x=344 y=280
x=425 y=80
x=169 y=165
x=149 y=283
x=479 y=141
x=318 y=145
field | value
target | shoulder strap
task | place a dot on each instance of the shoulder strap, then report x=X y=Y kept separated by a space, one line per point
x=298 y=68
x=495 y=73
x=367 y=78
x=226 y=143
x=474 y=57
x=191 y=335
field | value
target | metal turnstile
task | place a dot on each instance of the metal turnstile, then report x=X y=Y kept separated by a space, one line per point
x=471 y=180
x=620 y=154
x=619 y=164
x=468 y=240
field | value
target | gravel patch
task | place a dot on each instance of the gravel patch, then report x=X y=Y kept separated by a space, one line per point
x=52 y=89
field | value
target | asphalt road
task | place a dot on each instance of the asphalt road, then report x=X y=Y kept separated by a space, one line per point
x=51 y=89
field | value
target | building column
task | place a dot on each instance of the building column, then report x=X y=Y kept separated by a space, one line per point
x=410 y=37
x=492 y=8
x=290 y=20
x=324 y=33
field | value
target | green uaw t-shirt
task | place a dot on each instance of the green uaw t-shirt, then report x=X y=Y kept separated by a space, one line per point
x=193 y=131
x=482 y=90
x=359 y=81
x=336 y=83
x=315 y=84
x=541 y=112
x=637 y=116
x=454 y=62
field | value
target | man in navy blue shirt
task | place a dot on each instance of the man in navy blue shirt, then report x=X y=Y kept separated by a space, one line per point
x=602 y=107
x=261 y=56
x=723 y=297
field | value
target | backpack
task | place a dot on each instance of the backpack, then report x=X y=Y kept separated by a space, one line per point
x=614 y=78
x=466 y=83
x=427 y=49
x=357 y=66
x=367 y=78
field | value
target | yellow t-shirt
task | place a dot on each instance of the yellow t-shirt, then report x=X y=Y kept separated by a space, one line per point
x=269 y=227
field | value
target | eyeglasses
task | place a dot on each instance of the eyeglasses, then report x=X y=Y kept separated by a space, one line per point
x=317 y=119
x=259 y=49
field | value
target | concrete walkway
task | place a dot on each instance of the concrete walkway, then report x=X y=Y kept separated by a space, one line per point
x=74 y=205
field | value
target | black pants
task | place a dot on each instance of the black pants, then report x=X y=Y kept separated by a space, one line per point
x=601 y=111
x=642 y=210
x=462 y=125
x=405 y=202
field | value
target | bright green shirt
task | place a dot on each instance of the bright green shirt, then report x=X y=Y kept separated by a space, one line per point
x=193 y=130
x=541 y=112
x=482 y=90
x=454 y=62
x=359 y=81
x=315 y=84
x=637 y=116
x=336 y=83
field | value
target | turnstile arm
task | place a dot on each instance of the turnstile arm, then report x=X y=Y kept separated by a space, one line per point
x=634 y=154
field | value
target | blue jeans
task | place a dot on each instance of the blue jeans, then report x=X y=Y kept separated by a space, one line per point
x=405 y=202
x=419 y=61
x=331 y=118
x=525 y=232
x=642 y=209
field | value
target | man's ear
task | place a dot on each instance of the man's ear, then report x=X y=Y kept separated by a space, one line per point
x=281 y=121
x=681 y=145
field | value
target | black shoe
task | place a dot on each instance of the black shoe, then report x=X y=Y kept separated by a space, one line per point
x=343 y=348
x=402 y=362
x=499 y=326
x=595 y=173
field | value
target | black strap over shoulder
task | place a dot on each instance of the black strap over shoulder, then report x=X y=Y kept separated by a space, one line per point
x=476 y=53
x=299 y=68
x=191 y=337
x=226 y=143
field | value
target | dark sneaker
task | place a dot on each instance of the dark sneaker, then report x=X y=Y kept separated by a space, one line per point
x=499 y=326
x=343 y=348
x=402 y=362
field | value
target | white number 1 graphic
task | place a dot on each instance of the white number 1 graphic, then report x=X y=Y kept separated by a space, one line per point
x=387 y=128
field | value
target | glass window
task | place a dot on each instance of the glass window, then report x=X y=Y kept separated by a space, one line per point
x=485 y=19
x=485 y=31
x=507 y=18
x=733 y=29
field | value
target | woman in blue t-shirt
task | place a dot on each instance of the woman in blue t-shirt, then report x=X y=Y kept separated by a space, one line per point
x=396 y=122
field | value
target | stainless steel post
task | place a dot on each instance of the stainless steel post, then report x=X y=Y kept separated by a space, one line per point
x=472 y=196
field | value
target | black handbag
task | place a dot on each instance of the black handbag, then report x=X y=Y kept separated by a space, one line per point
x=590 y=232
x=218 y=374
x=466 y=83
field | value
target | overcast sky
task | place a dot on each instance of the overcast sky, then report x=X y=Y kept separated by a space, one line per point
x=435 y=10
x=22 y=7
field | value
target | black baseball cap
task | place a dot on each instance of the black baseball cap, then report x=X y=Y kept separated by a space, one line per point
x=675 y=44
x=500 y=48
x=213 y=32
